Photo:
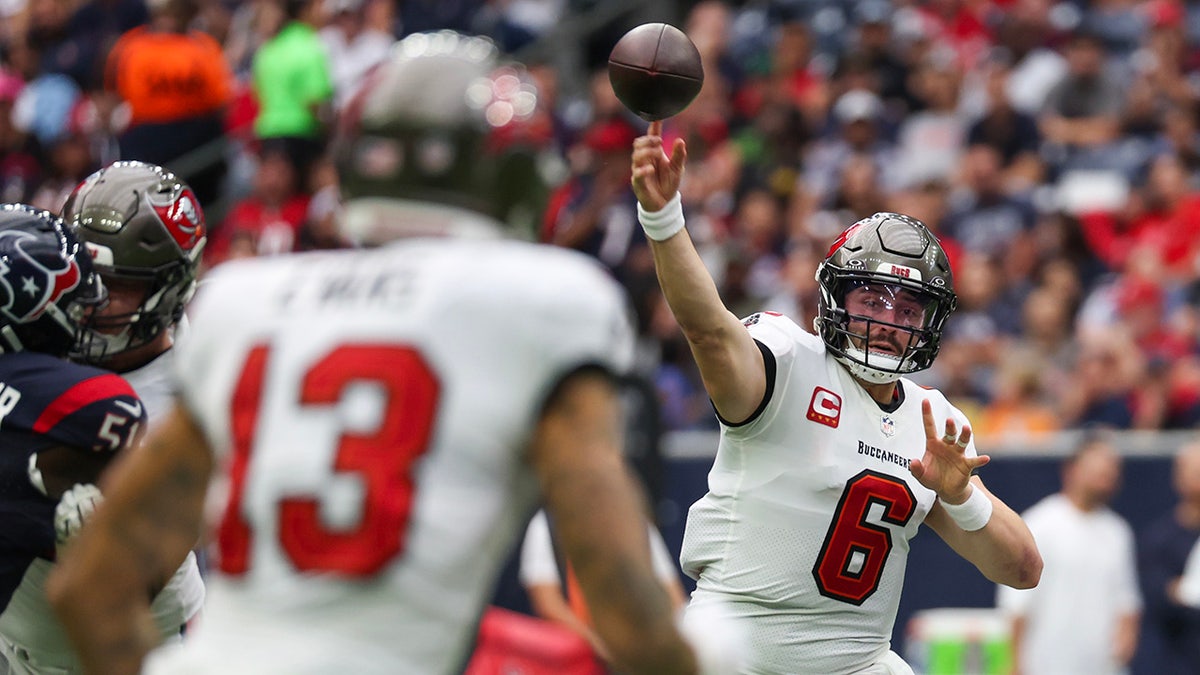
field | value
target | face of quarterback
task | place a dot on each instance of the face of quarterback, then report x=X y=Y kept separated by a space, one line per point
x=883 y=317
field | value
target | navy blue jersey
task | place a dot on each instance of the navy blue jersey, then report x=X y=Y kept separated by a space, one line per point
x=48 y=402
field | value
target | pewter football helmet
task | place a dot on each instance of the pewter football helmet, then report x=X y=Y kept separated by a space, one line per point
x=896 y=253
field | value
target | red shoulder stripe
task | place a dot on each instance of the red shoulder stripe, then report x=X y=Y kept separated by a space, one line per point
x=82 y=394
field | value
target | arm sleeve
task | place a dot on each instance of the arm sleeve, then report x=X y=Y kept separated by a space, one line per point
x=1130 y=599
x=664 y=566
x=538 y=564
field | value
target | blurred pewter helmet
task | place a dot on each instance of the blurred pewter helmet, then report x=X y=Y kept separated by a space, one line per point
x=444 y=121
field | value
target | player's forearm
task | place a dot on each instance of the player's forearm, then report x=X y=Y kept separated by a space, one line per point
x=690 y=291
x=548 y=602
x=138 y=536
x=596 y=509
x=110 y=628
x=1004 y=550
x=1125 y=637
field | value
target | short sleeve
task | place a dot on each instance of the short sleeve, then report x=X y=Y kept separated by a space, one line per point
x=538 y=564
x=665 y=567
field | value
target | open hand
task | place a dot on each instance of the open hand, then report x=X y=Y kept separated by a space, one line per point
x=655 y=175
x=945 y=468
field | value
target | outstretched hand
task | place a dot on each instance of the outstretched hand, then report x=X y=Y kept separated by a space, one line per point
x=945 y=468
x=655 y=175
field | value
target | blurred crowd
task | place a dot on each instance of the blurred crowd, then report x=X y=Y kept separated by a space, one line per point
x=1053 y=147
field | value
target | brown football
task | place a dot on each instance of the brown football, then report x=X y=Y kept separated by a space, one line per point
x=655 y=70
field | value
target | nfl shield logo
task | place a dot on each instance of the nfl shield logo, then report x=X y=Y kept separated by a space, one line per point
x=887 y=425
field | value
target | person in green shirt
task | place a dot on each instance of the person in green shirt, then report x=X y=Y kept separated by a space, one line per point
x=293 y=85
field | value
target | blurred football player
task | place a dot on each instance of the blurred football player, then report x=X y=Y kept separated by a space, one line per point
x=386 y=419
x=60 y=422
x=144 y=230
x=829 y=459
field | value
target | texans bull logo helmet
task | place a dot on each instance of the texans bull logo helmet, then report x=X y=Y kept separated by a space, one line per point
x=47 y=284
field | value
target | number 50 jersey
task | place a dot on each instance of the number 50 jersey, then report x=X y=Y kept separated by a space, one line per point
x=373 y=409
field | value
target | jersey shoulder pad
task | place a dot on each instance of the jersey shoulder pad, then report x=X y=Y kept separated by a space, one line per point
x=71 y=404
x=779 y=333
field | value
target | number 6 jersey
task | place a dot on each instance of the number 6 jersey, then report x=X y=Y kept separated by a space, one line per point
x=805 y=529
x=372 y=410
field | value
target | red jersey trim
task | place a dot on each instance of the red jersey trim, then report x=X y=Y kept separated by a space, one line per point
x=80 y=395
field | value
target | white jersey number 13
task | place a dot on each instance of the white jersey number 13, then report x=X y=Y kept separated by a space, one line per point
x=384 y=459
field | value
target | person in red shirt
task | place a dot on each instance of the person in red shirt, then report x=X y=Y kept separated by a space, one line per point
x=268 y=221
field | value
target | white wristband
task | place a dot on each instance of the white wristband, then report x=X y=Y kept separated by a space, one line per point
x=664 y=223
x=972 y=514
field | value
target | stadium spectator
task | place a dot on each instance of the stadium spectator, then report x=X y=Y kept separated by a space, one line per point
x=1011 y=132
x=437 y=503
x=776 y=537
x=1101 y=389
x=1020 y=410
x=1163 y=548
x=590 y=211
x=64 y=423
x=269 y=220
x=1084 y=615
x=97 y=25
x=149 y=269
x=293 y=85
x=177 y=87
x=857 y=116
x=1027 y=34
x=20 y=173
x=1162 y=218
x=1080 y=118
x=553 y=587
x=983 y=216
x=873 y=53
x=353 y=47
x=930 y=141
x=64 y=47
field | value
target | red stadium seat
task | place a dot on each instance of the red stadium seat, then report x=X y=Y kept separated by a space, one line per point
x=511 y=643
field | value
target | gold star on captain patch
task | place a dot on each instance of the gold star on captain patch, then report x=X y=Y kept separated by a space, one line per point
x=29 y=286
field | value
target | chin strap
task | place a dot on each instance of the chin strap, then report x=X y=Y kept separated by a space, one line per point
x=856 y=360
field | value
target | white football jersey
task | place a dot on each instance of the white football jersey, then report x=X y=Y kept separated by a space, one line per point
x=372 y=410
x=805 y=529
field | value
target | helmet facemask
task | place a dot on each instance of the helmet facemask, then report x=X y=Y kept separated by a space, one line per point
x=163 y=297
x=886 y=292
x=880 y=328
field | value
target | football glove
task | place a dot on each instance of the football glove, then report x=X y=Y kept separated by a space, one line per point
x=73 y=510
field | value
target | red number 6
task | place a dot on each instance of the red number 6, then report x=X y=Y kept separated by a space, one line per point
x=855 y=551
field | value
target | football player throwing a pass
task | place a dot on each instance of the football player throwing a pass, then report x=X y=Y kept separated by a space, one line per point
x=830 y=459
